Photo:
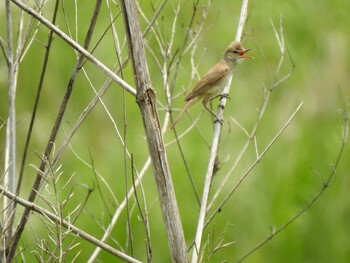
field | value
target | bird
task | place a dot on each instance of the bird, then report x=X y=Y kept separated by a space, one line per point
x=215 y=80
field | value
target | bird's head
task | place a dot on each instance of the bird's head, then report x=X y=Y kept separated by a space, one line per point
x=236 y=53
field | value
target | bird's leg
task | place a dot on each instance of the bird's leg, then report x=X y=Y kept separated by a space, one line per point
x=211 y=112
x=205 y=104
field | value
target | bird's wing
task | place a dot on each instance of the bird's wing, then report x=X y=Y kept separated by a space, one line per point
x=214 y=75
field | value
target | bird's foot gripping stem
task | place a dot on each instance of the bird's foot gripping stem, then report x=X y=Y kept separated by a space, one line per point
x=225 y=95
x=217 y=120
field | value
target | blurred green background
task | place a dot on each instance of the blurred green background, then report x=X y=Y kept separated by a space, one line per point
x=294 y=170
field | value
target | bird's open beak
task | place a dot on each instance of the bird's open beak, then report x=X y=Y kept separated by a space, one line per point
x=245 y=51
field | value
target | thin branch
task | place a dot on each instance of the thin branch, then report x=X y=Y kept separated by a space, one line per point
x=144 y=216
x=125 y=157
x=3 y=49
x=99 y=189
x=156 y=14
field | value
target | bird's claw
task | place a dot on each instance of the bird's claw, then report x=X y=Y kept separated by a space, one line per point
x=225 y=95
x=217 y=120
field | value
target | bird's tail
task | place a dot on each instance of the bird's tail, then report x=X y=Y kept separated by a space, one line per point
x=182 y=112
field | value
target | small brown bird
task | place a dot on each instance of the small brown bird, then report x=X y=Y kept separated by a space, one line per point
x=214 y=82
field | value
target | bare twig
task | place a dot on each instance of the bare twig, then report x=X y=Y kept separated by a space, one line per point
x=144 y=216
x=125 y=159
x=156 y=14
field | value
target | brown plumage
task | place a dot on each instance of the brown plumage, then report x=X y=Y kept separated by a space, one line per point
x=215 y=80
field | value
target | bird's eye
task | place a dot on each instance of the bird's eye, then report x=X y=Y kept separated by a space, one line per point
x=235 y=51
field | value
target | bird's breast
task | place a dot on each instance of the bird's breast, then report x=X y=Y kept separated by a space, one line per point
x=221 y=84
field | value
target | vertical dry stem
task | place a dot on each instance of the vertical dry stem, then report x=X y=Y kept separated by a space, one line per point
x=10 y=150
x=146 y=99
